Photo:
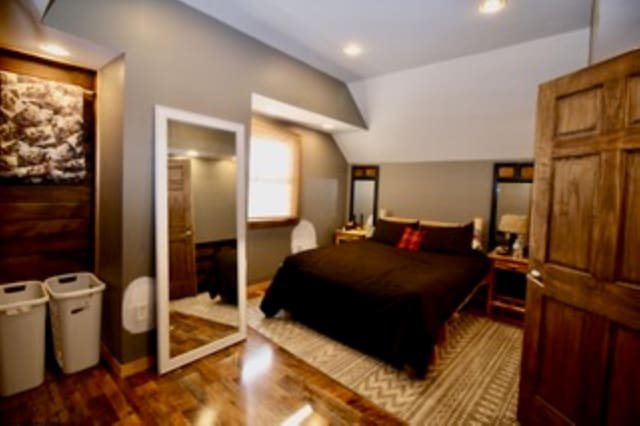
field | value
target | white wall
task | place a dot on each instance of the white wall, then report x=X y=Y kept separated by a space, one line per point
x=475 y=107
x=616 y=28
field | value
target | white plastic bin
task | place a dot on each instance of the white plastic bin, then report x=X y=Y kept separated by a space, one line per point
x=75 y=306
x=22 y=324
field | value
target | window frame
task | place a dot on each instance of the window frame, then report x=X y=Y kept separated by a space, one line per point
x=261 y=127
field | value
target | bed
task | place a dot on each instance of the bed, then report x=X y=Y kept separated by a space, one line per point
x=387 y=302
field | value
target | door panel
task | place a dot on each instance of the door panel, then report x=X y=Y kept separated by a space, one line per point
x=629 y=260
x=571 y=342
x=624 y=387
x=578 y=114
x=582 y=325
x=545 y=414
x=633 y=100
x=572 y=211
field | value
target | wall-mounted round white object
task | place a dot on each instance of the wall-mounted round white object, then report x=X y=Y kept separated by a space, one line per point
x=138 y=306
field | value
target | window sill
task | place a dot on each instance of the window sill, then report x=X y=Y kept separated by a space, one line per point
x=273 y=223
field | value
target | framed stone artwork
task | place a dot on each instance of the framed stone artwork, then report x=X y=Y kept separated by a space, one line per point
x=41 y=130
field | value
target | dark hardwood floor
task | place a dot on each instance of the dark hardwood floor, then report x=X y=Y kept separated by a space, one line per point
x=255 y=382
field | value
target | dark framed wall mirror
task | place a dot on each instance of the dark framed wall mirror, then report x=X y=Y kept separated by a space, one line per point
x=511 y=200
x=363 y=205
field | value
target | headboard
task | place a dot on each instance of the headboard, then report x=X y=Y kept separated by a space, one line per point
x=478 y=227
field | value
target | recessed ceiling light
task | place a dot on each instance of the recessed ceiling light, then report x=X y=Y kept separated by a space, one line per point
x=352 y=49
x=328 y=126
x=192 y=153
x=54 y=49
x=491 y=6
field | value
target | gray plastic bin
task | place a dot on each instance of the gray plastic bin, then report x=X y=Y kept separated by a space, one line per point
x=22 y=324
x=75 y=306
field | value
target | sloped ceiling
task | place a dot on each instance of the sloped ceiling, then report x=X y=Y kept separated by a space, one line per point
x=437 y=80
x=22 y=30
x=475 y=107
x=395 y=35
x=617 y=28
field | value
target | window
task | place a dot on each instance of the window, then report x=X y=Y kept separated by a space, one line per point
x=274 y=170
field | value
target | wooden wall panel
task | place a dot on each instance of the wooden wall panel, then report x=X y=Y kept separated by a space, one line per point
x=578 y=114
x=48 y=229
x=572 y=215
x=633 y=100
x=629 y=266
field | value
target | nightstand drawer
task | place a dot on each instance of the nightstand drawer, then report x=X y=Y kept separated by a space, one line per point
x=511 y=266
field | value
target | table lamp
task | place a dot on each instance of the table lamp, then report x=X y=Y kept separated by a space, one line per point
x=514 y=224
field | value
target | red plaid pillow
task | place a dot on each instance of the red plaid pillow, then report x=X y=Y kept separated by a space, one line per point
x=411 y=239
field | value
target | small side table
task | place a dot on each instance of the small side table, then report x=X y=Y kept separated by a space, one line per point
x=505 y=263
x=345 y=235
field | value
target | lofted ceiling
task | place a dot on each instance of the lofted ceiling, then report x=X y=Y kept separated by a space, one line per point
x=395 y=35
x=21 y=29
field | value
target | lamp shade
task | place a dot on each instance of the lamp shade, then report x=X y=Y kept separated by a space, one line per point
x=514 y=224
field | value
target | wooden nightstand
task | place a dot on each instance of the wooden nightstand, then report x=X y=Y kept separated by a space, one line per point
x=505 y=263
x=346 y=235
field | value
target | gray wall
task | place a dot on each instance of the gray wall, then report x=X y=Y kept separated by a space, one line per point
x=323 y=197
x=109 y=197
x=616 y=28
x=178 y=57
x=213 y=189
x=450 y=191
x=215 y=142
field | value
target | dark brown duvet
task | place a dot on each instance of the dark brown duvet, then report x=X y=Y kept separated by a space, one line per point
x=384 y=301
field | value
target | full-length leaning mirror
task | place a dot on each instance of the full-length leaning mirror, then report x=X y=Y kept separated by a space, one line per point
x=200 y=235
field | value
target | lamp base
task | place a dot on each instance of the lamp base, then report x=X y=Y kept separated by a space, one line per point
x=518 y=247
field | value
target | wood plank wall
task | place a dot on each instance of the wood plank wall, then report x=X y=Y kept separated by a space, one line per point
x=48 y=229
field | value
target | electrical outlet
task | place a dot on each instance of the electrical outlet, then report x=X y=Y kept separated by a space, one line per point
x=141 y=312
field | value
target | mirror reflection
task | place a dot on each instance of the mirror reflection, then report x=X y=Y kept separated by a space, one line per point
x=512 y=212
x=513 y=183
x=513 y=198
x=203 y=279
x=364 y=196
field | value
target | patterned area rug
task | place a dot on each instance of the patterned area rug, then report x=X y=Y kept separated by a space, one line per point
x=205 y=307
x=475 y=383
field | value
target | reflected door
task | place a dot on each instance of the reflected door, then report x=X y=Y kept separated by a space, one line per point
x=182 y=265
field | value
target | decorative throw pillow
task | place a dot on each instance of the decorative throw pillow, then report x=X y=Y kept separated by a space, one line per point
x=448 y=239
x=388 y=232
x=411 y=239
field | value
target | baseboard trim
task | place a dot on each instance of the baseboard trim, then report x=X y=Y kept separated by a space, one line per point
x=129 y=368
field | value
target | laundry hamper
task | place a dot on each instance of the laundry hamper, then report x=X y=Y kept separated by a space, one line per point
x=75 y=306
x=22 y=324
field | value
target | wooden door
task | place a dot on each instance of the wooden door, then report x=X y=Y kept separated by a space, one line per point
x=182 y=264
x=582 y=338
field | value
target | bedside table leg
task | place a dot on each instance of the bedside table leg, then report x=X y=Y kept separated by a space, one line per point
x=490 y=284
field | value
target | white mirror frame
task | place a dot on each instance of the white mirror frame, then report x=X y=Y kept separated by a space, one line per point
x=162 y=116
